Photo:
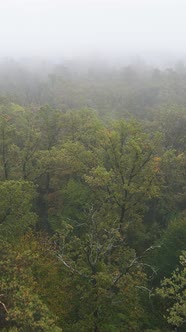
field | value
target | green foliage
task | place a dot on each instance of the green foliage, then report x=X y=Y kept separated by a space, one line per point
x=104 y=274
x=49 y=123
x=81 y=126
x=174 y=290
x=166 y=258
x=127 y=174
x=21 y=305
x=108 y=192
x=171 y=123
x=15 y=208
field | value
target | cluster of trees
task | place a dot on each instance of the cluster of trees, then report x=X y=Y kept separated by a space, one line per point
x=92 y=219
x=114 y=91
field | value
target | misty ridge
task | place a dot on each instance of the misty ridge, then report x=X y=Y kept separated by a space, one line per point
x=113 y=88
x=120 y=55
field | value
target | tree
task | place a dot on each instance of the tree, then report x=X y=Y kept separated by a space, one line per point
x=21 y=305
x=126 y=177
x=16 y=208
x=173 y=290
x=106 y=276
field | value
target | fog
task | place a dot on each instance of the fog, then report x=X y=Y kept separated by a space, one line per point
x=106 y=29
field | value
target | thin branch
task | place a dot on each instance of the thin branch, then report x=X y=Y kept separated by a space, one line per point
x=4 y=306
x=135 y=261
x=70 y=267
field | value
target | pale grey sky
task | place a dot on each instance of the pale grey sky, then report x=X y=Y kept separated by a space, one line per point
x=83 y=27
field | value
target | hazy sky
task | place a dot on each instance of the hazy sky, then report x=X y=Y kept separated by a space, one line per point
x=83 y=27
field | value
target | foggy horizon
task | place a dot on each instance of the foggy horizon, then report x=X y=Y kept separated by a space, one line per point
x=105 y=29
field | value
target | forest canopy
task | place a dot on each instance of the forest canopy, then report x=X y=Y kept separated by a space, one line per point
x=92 y=208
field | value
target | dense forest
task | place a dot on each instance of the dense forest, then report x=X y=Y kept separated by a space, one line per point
x=93 y=198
